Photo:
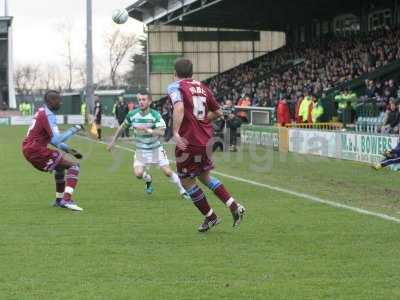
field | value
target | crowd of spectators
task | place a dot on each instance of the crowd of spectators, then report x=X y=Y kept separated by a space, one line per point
x=295 y=80
x=382 y=98
x=380 y=92
x=391 y=122
x=315 y=68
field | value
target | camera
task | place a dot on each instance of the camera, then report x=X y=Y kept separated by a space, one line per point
x=226 y=111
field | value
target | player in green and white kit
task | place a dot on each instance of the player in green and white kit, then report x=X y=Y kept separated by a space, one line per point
x=148 y=127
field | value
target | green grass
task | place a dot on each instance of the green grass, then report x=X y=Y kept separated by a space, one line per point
x=127 y=245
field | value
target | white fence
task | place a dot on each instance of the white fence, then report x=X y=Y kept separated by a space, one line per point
x=340 y=144
x=61 y=119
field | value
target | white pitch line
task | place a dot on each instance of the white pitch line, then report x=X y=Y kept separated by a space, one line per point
x=311 y=198
x=286 y=191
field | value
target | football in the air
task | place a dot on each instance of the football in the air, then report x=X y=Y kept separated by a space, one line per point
x=120 y=16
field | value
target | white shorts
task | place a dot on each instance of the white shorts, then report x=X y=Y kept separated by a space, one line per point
x=144 y=158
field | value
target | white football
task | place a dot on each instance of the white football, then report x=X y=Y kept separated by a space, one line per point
x=120 y=16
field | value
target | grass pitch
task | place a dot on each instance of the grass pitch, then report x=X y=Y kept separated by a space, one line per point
x=127 y=245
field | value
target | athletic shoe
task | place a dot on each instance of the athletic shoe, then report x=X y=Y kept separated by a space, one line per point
x=186 y=196
x=238 y=215
x=208 y=224
x=376 y=166
x=149 y=188
x=70 y=205
x=79 y=127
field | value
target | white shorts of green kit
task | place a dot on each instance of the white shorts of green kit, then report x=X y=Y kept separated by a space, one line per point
x=145 y=158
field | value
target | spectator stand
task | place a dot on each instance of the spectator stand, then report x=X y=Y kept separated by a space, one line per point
x=369 y=110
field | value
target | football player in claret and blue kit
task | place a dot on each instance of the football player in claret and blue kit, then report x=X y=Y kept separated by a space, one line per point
x=44 y=132
x=194 y=111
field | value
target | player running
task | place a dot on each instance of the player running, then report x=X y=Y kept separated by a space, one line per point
x=194 y=110
x=391 y=157
x=44 y=131
x=148 y=127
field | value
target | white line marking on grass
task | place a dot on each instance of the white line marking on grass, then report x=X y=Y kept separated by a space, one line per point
x=286 y=191
x=311 y=198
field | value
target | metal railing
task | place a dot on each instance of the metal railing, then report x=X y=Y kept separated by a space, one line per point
x=319 y=126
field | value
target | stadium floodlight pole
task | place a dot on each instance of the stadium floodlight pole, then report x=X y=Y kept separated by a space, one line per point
x=147 y=31
x=12 y=103
x=89 y=58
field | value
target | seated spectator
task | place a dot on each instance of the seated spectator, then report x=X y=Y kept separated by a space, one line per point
x=378 y=96
x=370 y=91
x=392 y=118
x=391 y=89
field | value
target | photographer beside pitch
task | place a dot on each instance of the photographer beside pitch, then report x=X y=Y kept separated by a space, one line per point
x=41 y=133
x=232 y=122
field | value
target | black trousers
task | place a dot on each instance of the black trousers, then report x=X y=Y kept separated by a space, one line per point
x=125 y=133
x=233 y=136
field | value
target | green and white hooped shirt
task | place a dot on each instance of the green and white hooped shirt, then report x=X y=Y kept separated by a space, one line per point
x=153 y=120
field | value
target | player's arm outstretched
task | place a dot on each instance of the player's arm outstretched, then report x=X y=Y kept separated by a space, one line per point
x=127 y=124
x=116 y=136
x=58 y=139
